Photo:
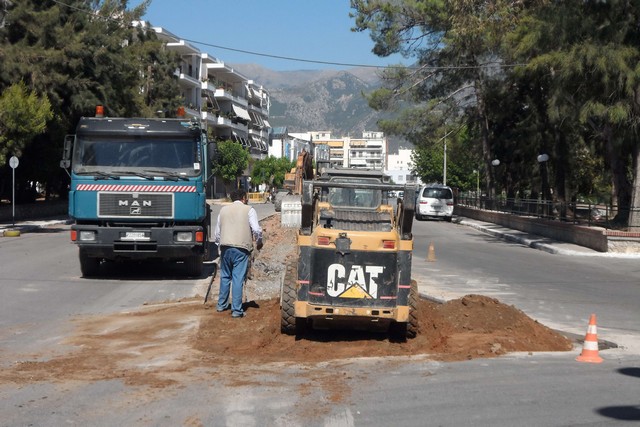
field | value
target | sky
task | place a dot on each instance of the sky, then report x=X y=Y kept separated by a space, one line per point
x=311 y=30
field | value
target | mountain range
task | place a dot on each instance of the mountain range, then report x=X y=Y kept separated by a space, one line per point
x=320 y=100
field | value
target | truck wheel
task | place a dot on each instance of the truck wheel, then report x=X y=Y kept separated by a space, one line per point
x=88 y=266
x=289 y=324
x=193 y=266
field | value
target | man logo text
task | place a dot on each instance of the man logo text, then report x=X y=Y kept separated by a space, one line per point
x=134 y=203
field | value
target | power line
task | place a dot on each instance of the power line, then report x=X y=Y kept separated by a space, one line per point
x=312 y=61
x=347 y=64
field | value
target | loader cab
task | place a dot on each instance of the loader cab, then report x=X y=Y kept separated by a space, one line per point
x=349 y=198
x=348 y=193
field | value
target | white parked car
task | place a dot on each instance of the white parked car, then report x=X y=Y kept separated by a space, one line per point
x=434 y=200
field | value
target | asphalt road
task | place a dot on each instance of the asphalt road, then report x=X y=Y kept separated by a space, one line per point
x=560 y=291
x=41 y=293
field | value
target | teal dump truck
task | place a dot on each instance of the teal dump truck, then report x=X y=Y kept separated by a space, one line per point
x=138 y=191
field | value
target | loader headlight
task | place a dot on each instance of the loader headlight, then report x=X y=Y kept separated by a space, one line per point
x=184 y=236
x=87 y=236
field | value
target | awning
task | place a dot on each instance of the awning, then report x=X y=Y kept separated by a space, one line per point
x=256 y=119
x=259 y=144
x=255 y=143
x=241 y=112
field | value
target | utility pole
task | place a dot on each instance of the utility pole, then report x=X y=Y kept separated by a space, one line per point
x=444 y=173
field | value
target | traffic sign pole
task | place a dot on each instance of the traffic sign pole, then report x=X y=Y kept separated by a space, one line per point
x=13 y=162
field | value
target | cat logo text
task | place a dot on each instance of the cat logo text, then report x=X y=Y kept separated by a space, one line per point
x=359 y=282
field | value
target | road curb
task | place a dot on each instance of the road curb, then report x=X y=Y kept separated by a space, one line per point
x=11 y=233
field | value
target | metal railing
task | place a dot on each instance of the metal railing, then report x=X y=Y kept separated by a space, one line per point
x=584 y=213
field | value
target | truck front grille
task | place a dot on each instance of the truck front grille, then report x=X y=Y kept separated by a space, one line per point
x=135 y=205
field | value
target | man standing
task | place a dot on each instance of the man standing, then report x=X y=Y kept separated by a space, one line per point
x=237 y=224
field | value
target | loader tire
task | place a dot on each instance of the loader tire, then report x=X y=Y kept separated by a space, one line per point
x=401 y=331
x=412 y=324
x=88 y=266
x=289 y=324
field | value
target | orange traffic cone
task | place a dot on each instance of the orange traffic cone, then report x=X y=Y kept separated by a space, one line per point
x=431 y=255
x=590 y=347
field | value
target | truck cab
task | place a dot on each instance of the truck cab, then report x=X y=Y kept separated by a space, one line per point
x=138 y=191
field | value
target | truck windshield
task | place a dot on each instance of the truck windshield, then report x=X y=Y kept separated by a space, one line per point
x=114 y=156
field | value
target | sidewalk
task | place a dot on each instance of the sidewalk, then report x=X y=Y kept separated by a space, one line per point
x=27 y=226
x=538 y=242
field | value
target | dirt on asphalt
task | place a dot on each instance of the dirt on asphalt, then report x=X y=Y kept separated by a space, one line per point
x=167 y=343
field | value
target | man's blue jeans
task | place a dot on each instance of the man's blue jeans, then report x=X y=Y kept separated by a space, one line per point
x=233 y=271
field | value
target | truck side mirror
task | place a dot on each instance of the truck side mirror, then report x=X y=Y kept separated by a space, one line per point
x=65 y=163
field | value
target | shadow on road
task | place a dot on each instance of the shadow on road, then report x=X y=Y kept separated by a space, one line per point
x=147 y=271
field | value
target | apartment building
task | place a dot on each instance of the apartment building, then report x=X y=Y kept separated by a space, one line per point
x=288 y=145
x=368 y=152
x=400 y=167
x=231 y=106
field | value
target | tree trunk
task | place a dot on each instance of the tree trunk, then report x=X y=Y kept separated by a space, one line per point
x=561 y=161
x=634 y=212
x=486 y=148
x=621 y=184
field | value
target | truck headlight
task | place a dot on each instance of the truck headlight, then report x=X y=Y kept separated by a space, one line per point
x=87 y=236
x=184 y=236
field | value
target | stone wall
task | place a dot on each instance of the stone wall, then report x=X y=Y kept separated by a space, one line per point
x=623 y=242
x=590 y=237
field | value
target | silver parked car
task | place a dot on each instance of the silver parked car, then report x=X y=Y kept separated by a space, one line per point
x=436 y=201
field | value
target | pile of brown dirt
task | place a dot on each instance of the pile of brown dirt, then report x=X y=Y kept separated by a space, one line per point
x=167 y=343
x=466 y=328
x=162 y=344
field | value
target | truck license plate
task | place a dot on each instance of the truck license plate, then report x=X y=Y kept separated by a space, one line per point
x=135 y=235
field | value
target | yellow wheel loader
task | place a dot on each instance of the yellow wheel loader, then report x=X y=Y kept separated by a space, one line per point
x=353 y=263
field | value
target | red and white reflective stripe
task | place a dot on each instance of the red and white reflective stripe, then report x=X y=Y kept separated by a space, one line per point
x=388 y=297
x=316 y=294
x=404 y=286
x=303 y=282
x=138 y=188
x=590 y=345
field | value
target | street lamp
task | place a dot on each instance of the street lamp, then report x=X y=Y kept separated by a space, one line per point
x=477 y=172
x=495 y=163
x=542 y=160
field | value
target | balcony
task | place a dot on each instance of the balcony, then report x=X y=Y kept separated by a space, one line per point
x=358 y=162
x=189 y=81
x=370 y=157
